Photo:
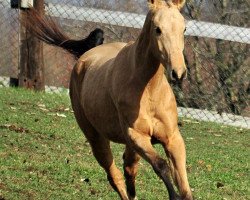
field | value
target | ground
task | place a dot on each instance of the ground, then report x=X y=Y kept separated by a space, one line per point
x=44 y=155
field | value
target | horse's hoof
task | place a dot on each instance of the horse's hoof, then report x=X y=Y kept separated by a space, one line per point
x=133 y=198
x=188 y=196
x=177 y=198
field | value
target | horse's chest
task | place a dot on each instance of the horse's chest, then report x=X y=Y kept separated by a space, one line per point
x=157 y=117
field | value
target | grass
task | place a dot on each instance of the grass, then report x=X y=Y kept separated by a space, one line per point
x=44 y=155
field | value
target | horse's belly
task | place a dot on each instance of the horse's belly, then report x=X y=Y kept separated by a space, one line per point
x=106 y=122
x=101 y=113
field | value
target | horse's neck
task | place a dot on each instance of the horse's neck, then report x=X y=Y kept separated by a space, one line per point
x=147 y=67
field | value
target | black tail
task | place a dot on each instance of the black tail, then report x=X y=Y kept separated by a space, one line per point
x=48 y=31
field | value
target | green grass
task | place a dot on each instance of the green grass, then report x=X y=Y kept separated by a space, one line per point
x=44 y=155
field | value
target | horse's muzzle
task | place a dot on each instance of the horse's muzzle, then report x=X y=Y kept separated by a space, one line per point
x=178 y=75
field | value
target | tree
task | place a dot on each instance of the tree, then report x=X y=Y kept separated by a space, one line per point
x=218 y=69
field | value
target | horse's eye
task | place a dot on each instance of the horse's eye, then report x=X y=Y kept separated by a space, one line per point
x=185 y=29
x=158 y=30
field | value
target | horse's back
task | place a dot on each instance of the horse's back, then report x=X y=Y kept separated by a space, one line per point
x=102 y=53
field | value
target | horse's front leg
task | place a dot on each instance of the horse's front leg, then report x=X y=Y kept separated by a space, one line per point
x=175 y=149
x=131 y=159
x=141 y=142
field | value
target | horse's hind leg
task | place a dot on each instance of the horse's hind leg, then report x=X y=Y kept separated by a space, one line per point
x=131 y=159
x=102 y=152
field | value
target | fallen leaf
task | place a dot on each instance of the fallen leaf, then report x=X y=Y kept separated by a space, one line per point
x=201 y=162
x=189 y=168
x=191 y=121
x=209 y=168
x=60 y=115
x=44 y=109
x=51 y=114
x=41 y=105
x=86 y=180
x=217 y=135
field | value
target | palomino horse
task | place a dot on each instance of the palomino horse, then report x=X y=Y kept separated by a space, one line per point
x=119 y=93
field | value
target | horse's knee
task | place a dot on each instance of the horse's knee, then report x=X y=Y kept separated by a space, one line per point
x=160 y=166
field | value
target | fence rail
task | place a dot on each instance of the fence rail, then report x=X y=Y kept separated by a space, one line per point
x=212 y=116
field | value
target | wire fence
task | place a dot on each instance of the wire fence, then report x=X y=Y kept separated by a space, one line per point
x=217 y=50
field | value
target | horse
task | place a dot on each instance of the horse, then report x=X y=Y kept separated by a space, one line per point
x=119 y=93
x=45 y=29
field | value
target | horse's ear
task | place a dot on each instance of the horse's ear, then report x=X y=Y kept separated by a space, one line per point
x=154 y=3
x=151 y=1
x=179 y=3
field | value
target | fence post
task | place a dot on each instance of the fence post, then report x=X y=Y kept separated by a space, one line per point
x=31 y=63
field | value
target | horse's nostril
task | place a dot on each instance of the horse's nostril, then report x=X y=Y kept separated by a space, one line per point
x=178 y=77
x=184 y=75
x=174 y=75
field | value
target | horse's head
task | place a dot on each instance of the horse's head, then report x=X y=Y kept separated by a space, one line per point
x=167 y=35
